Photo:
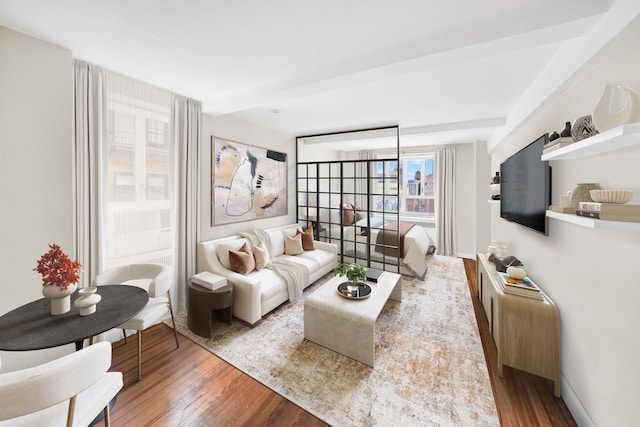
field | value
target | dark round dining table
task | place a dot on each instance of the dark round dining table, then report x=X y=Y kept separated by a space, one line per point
x=32 y=327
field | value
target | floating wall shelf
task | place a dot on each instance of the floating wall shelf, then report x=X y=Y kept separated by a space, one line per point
x=613 y=139
x=595 y=223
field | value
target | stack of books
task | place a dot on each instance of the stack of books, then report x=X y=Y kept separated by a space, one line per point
x=609 y=211
x=521 y=287
x=557 y=143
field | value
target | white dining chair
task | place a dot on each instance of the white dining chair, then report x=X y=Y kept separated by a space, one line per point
x=156 y=280
x=72 y=390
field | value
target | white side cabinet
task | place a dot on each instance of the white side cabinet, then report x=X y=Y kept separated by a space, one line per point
x=526 y=331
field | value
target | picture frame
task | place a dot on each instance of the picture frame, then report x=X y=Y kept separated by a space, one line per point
x=247 y=182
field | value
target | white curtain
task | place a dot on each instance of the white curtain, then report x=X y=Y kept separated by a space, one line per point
x=137 y=154
x=445 y=200
x=89 y=122
x=186 y=123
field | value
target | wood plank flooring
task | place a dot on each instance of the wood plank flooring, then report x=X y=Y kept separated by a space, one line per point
x=188 y=386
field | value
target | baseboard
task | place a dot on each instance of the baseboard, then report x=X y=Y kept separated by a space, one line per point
x=580 y=414
x=465 y=255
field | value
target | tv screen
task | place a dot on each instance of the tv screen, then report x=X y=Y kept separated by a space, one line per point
x=525 y=187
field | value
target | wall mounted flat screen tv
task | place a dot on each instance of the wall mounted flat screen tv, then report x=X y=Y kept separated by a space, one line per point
x=525 y=187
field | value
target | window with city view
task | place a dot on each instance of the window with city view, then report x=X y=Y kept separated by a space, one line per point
x=137 y=177
x=416 y=193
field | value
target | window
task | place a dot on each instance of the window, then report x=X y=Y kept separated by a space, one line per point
x=122 y=129
x=417 y=186
x=157 y=187
x=137 y=206
x=157 y=134
x=417 y=198
x=124 y=187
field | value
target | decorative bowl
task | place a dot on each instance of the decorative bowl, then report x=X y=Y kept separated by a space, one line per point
x=611 y=196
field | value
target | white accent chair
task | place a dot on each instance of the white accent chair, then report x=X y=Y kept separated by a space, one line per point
x=71 y=390
x=156 y=280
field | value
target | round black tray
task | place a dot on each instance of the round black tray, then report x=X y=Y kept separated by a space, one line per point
x=363 y=291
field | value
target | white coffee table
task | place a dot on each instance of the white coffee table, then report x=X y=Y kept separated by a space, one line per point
x=348 y=326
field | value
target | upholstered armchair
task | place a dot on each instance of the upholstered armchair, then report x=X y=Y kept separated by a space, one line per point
x=156 y=280
x=71 y=390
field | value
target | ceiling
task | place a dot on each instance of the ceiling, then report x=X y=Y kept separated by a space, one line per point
x=452 y=70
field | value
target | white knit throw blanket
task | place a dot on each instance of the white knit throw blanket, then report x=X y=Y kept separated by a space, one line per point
x=294 y=275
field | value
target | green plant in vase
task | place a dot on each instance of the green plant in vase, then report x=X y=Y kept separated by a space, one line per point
x=354 y=272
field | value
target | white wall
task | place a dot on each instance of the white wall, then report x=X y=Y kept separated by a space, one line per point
x=35 y=163
x=235 y=129
x=590 y=274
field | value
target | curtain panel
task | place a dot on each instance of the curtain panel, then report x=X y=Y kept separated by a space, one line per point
x=445 y=160
x=88 y=132
x=186 y=123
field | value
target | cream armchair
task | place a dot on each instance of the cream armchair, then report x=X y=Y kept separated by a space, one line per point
x=156 y=280
x=71 y=390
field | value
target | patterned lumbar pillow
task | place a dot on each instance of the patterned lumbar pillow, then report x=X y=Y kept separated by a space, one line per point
x=293 y=245
x=242 y=261
x=261 y=255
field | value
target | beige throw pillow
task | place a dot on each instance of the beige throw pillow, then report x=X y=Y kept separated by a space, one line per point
x=261 y=255
x=293 y=245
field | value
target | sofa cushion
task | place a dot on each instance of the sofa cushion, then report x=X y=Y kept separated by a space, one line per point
x=319 y=257
x=293 y=245
x=312 y=265
x=307 y=239
x=223 y=248
x=261 y=255
x=242 y=261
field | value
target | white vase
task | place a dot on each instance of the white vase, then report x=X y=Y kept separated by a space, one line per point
x=618 y=105
x=87 y=300
x=60 y=299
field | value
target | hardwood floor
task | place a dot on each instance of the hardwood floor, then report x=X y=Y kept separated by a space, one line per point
x=190 y=386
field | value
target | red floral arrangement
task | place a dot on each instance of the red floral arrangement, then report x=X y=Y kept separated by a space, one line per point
x=57 y=269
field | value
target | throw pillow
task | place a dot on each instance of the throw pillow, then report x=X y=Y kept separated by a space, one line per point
x=348 y=215
x=242 y=261
x=307 y=239
x=223 y=249
x=261 y=255
x=293 y=245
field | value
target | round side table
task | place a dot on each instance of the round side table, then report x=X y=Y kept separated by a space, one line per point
x=202 y=302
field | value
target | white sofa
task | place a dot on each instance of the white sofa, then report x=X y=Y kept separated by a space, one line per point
x=259 y=292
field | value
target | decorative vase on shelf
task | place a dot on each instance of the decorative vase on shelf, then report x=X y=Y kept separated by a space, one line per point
x=581 y=193
x=583 y=127
x=619 y=105
x=60 y=298
x=496 y=179
x=87 y=300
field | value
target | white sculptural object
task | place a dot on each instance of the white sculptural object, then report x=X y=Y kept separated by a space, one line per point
x=618 y=105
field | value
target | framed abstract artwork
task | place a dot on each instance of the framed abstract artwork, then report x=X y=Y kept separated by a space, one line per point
x=248 y=182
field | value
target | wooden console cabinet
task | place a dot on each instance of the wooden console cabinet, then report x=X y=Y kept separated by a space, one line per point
x=526 y=331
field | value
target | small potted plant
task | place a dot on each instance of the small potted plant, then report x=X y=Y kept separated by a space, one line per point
x=60 y=277
x=353 y=271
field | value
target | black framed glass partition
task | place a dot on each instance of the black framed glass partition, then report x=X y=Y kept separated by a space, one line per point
x=350 y=197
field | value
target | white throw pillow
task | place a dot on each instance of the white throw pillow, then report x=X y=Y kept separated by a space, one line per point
x=222 y=249
x=261 y=256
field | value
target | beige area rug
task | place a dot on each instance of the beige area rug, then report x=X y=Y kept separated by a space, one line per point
x=429 y=370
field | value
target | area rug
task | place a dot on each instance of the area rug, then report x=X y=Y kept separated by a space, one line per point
x=429 y=370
